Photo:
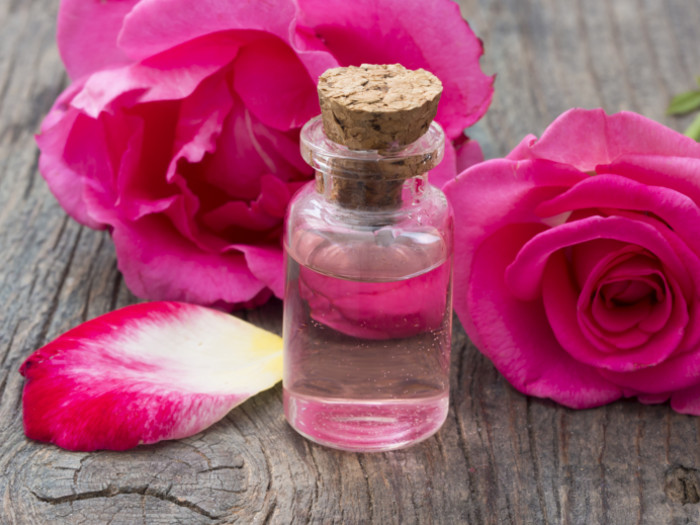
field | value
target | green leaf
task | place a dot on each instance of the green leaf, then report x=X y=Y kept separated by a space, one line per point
x=693 y=130
x=684 y=103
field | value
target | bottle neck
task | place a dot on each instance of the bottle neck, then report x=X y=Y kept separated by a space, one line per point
x=370 y=179
x=370 y=191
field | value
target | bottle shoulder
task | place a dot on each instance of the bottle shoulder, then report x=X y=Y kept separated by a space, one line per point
x=309 y=208
x=383 y=245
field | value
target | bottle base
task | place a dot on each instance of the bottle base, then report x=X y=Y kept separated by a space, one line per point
x=365 y=425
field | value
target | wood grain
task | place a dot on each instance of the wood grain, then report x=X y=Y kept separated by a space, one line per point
x=501 y=458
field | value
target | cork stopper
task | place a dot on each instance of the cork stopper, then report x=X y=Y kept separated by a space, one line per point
x=377 y=107
x=382 y=108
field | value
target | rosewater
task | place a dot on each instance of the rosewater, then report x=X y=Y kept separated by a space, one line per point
x=368 y=305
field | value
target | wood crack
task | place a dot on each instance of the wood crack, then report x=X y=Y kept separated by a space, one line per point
x=221 y=467
x=112 y=490
x=269 y=495
x=370 y=498
x=32 y=173
x=270 y=512
x=317 y=475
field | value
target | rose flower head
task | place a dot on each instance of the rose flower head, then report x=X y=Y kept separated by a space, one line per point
x=577 y=261
x=179 y=133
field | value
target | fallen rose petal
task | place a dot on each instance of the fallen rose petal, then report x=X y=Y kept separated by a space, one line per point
x=145 y=373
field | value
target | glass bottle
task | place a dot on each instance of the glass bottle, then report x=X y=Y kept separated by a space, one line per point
x=368 y=304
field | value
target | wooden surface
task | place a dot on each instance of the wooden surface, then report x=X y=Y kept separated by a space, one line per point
x=501 y=458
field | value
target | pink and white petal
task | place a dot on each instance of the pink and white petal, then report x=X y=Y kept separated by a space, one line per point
x=516 y=335
x=607 y=138
x=145 y=373
x=157 y=25
x=415 y=33
x=87 y=34
x=159 y=263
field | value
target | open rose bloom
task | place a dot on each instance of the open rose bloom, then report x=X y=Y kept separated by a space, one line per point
x=577 y=262
x=179 y=133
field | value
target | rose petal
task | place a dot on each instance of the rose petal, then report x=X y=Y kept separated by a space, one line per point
x=252 y=150
x=491 y=195
x=267 y=264
x=615 y=192
x=468 y=153
x=172 y=75
x=680 y=174
x=607 y=138
x=66 y=185
x=145 y=373
x=616 y=273
x=516 y=334
x=613 y=317
x=680 y=371
x=415 y=33
x=87 y=34
x=525 y=274
x=522 y=151
x=560 y=298
x=274 y=85
x=687 y=400
x=158 y=263
x=154 y=26
x=525 y=278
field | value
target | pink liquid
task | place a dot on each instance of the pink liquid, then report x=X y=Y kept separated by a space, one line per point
x=367 y=341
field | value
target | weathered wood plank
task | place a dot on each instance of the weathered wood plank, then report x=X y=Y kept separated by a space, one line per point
x=500 y=459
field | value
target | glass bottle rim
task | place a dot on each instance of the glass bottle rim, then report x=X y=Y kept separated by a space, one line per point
x=325 y=155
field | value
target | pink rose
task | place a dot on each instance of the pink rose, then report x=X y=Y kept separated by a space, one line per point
x=577 y=264
x=179 y=133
